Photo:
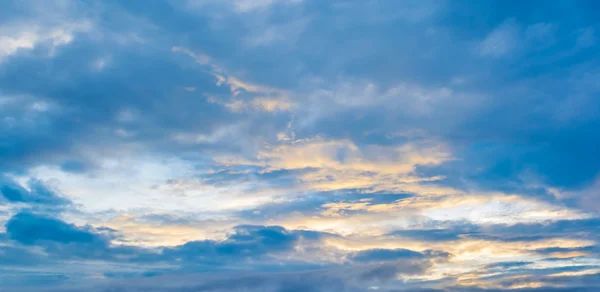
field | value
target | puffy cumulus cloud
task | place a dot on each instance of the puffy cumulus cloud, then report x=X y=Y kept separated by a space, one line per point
x=24 y=38
x=29 y=228
x=37 y=240
x=29 y=31
x=35 y=193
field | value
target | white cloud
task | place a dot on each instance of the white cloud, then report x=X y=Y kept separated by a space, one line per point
x=200 y=58
x=503 y=40
x=341 y=164
x=10 y=45
x=101 y=63
x=241 y=6
x=18 y=37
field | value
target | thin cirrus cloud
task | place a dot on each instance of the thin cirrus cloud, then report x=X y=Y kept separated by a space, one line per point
x=299 y=146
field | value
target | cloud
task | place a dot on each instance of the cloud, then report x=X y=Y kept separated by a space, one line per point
x=245 y=242
x=265 y=98
x=266 y=104
x=431 y=234
x=377 y=255
x=501 y=41
x=36 y=193
x=61 y=241
x=29 y=229
x=340 y=164
x=26 y=37
x=507 y=265
x=243 y=6
x=326 y=280
x=299 y=145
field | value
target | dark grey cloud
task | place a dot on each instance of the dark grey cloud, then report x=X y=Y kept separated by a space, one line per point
x=37 y=194
x=29 y=229
x=61 y=239
x=349 y=279
x=506 y=265
x=325 y=281
x=378 y=255
x=253 y=246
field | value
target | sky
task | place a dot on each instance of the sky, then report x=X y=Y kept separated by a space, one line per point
x=299 y=145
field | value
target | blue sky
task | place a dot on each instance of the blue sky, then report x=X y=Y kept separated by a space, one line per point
x=299 y=145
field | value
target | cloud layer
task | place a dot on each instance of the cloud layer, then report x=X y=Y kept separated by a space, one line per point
x=299 y=145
